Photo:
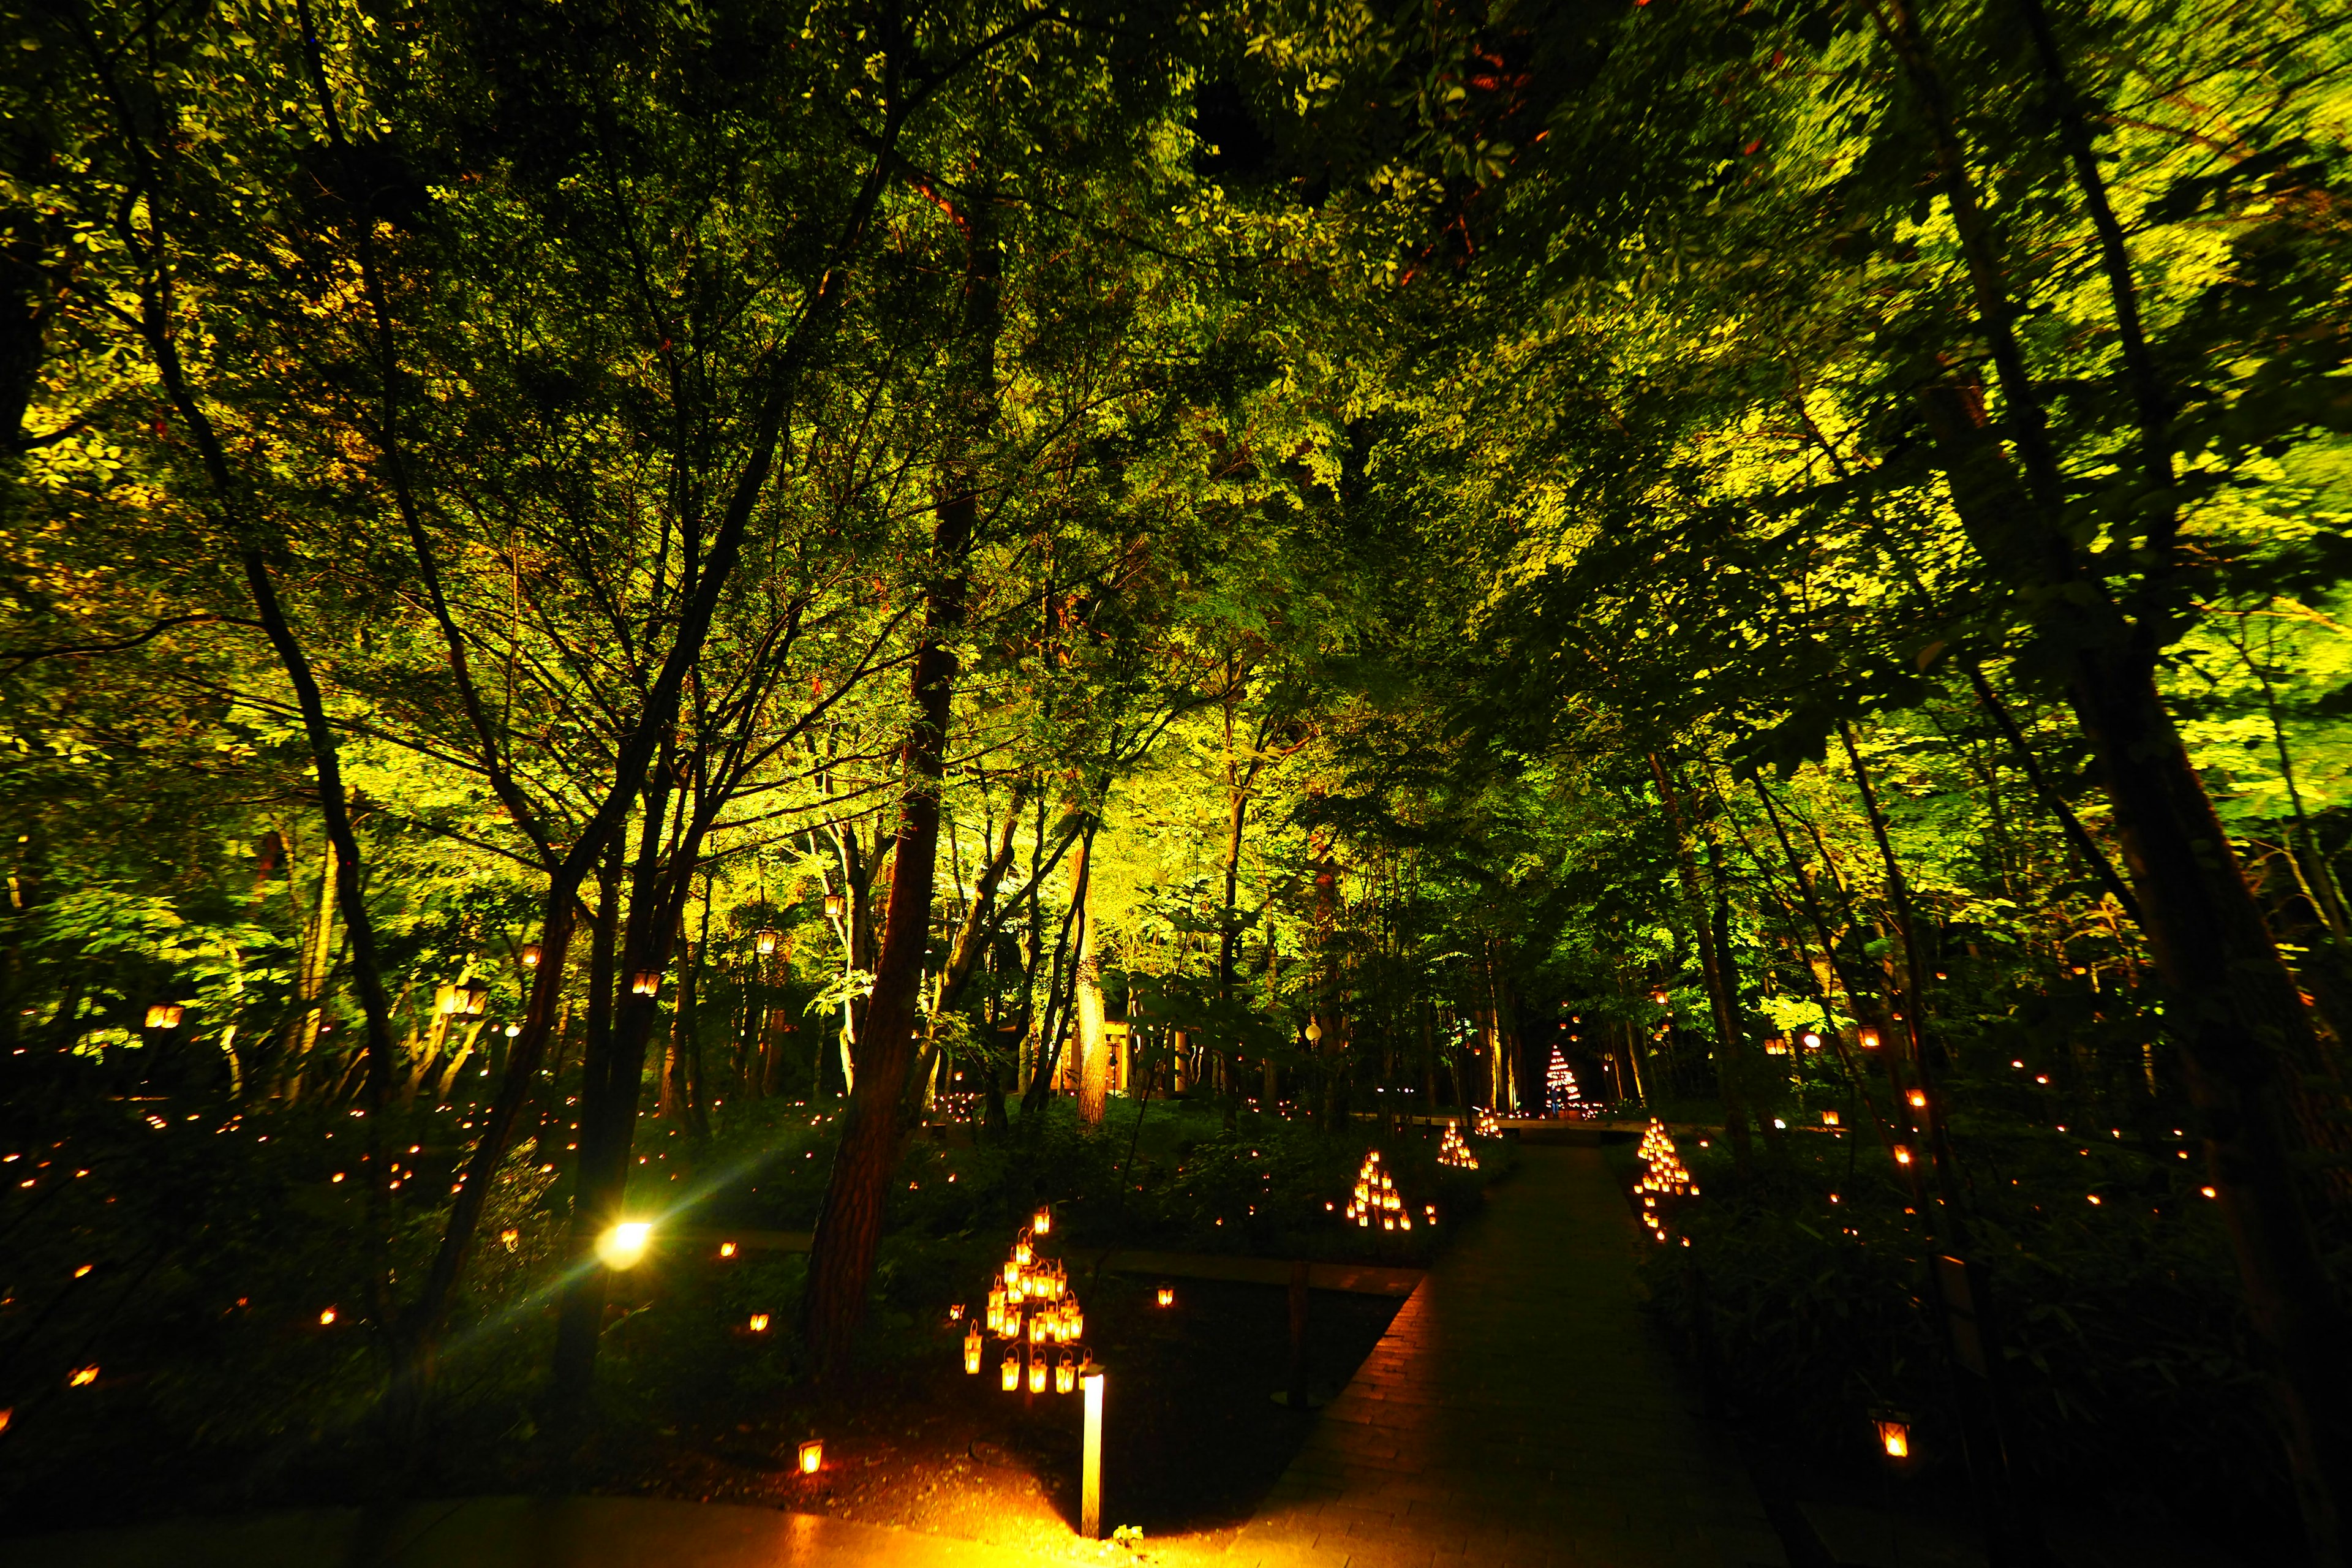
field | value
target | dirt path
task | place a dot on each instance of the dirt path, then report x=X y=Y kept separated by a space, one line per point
x=1517 y=1413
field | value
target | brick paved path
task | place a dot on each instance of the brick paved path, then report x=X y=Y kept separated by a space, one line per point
x=1517 y=1413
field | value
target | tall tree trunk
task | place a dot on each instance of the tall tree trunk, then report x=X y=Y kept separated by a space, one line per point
x=849 y=1222
x=1725 y=1007
x=2235 y=1008
x=1094 y=1045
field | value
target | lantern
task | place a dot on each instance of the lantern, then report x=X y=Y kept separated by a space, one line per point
x=511 y=1239
x=764 y=940
x=532 y=954
x=1023 y=1250
x=835 y=906
x=644 y=982
x=466 y=1000
x=1829 y=1119
x=1869 y=1039
x=726 y=1250
x=1893 y=1434
x=164 y=1016
x=1902 y=1154
x=1036 y=1374
x=812 y=1455
x=326 y=1317
x=1314 y=1032
x=971 y=1347
x=1042 y=1222
x=1811 y=1040
x=624 y=1245
x=1659 y=995
x=759 y=1323
x=1917 y=1098
x=955 y=1313
x=1065 y=1373
x=1168 y=1295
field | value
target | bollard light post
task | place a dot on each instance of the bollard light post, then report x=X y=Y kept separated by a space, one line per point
x=1090 y=1477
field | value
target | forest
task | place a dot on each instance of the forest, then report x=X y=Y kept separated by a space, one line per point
x=849 y=618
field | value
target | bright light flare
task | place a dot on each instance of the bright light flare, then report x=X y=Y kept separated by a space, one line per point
x=624 y=1245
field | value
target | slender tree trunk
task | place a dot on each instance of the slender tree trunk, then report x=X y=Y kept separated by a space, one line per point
x=1730 y=1035
x=850 y=1222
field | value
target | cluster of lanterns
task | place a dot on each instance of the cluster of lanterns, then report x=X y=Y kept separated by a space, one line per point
x=1376 y=1194
x=1666 y=1176
x=1452 y=1150
x=1486 y=1123
x=1033 y=1310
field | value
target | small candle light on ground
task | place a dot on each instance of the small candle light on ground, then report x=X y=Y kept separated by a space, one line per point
x=812 y=1455
x=759 y=1323
x=1168 y=1295
x=83 y=1377
x=326 y=1317
x=726 y=1250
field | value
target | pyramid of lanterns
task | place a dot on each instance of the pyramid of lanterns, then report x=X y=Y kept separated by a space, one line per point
x=1376 y=1194
x=1452 y=1150
x=1488 y=1124
x=1032 y=1311
x=1666 y=1176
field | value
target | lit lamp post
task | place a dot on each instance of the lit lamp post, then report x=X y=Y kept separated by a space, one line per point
x=1090 y=1468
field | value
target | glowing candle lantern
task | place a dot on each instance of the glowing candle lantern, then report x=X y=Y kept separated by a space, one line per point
x=726 y=1250
x=165 y=1016
x=1043 y=1221
x=1012 y=1371
x=1829 y=1119
x=971 y=1347
x=1065 y=1373
x=812 y=1455
x=1023 y=1253
x=1038 y=1323
x=835 y=906
x=1869 y=1039
x=1168 y=1295
x=1036 y=1374
x=759 y=1323
x=1902 y=1154
x=955 y=1313
x=1893 y=1435
x=530 y=955
x=82 y=1377
x=1918 y=1099
x=326 y=1317
x=764 y=940
x=646 y=983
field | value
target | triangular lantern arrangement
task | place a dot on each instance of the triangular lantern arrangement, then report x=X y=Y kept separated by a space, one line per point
x=1666 y=1177
x=1452 y=1150
x=1376 y=1197
x=1035 y=1314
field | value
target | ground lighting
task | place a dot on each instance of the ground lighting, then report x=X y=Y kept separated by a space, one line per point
x=624 y=1245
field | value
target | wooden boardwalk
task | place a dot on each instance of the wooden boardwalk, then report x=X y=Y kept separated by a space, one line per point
x=1517 y=1413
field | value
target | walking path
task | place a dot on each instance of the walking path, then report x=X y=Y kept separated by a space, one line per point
x=1517 y=1415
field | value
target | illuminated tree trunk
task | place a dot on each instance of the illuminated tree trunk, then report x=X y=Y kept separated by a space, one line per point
x=1094 y=1048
